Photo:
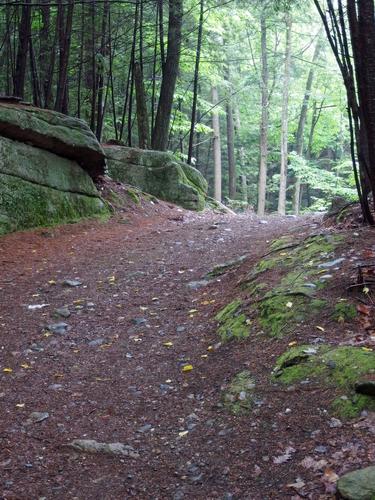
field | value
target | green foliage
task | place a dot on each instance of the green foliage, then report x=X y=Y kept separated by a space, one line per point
x=233 y=324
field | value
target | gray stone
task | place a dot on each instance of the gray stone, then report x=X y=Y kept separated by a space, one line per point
x=144 y=428
x=63 y=312
x=36 y=417
x=139 y=321
x=97 y=342
x=195 y=285
x=331 y=263
x=92 y=446
x=358 y=485
x=58 y=328
x=72 y=283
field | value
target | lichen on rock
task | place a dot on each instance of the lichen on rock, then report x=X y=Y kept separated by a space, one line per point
x=238 y=396
x=233 y=323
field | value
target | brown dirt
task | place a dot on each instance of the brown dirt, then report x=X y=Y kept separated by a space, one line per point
x=138 y=266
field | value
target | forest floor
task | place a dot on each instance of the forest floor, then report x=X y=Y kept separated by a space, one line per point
x=114 y=372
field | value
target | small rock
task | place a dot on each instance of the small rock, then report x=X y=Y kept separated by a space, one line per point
x=358 y=485
x=335 y=422
x=139 y=321
x=195 y=285
x=55 y=387
x=180 y=329
x=97 y=342
x=263 y=222
x=92 y=446
x=63 y=312
x=321 y=449
x=72 y=283
x=145 y=428
x=331 y=263
x=58 y=328
x=36 y=417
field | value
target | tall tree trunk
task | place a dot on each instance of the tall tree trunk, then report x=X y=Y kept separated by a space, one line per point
x=284 y=118
x=65 y=34
x=23 y=48
x=34 y=76
x=262 y=181
x=216 y=146
x=170 y=72
x=196 y=83
x=142 y=114
x=230 y=146
x=45 y=51
x=302 y=122
x=101 y=71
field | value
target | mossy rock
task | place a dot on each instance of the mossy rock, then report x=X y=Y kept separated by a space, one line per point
x=304 y=254
x=221 y=269
x=238 y=396
x=358 y=484
x=38 y=188
x=158 y=173
x=233 y=324
x=60 y=134
x=338 y=367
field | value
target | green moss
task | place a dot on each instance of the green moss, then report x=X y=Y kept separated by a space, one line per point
x=338 y=367
x=344 y=311
x=232 y=323
x=134 y=195
x=238 y=396
x=280 y=243
x=221 y=269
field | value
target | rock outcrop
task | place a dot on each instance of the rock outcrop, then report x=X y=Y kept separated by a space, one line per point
x=60 y=134
x=159 y=174
x=39 y=188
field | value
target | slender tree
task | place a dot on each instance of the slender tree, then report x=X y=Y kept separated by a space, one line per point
x=216 y=145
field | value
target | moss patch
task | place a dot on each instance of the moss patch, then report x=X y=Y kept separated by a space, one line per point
x=344 y=311
x=238 y=397
x=339 y=367
x=233 y=323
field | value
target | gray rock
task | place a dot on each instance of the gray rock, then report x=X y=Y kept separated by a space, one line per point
x=92 y=446
x=55 y=387
x=36 y=417
x=63 y=312
x=58 y=328
x=366 y=387
x=144 y=428
x=358 y=485
x=96 y=342
x=139 y=321
x=180 y=329
x=331 y=263
x=72 y=283
x=195 y=285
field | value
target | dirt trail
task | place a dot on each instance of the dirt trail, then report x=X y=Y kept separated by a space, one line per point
x=116 y=374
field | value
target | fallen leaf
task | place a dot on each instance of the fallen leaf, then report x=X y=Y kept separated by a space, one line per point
x=287 y=455
x=183 y=433
x=291 y=344
x=193 y=311
x=187 y=368
x=363 y=309
x=25 y=365
x=20 y=405
x=168 y=344
x=7 y=370
x=289 y=304
x=320 y=328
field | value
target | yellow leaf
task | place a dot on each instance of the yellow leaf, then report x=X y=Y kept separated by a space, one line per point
x=320 y=328
x=210 y=348
x=47 y=334
x=25 y=365
x=289 y=304
x=168 y=344
x=111 y=279
x=193 y=311
x=204 y=356
x=78 y=301
x=183 y=433
x=52 y=282
x=187 y=368
x=7 y=370
x=168 y=381
x=20 y=405
x=294 y=342
x=142 y=308
x=366 y=290
x=367 y=349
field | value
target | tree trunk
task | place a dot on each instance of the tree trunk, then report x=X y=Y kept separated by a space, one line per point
x=142 y=114
x=23 y=48
x=284 y=119
x=101 y=71
x=262 y=182
x=196 y=83
x=170 y=72
x=216 y=146
x=302 y=122
x=65 y=34
x=230 y=146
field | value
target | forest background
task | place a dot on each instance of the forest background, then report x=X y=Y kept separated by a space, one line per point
x=259 y=106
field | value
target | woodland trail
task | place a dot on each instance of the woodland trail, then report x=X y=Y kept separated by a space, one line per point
x=116 y=374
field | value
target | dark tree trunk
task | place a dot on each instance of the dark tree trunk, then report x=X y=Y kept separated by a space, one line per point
x=101 y=71
x=23 y=48
x=196 y=83
x=170 y=73
x=65 y=34
x=142 y=115
x=230 y=147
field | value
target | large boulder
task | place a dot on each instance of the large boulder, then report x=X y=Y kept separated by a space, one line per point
x=159 y=174
x=39 y=188
x=60 y=134
x=358 y=485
